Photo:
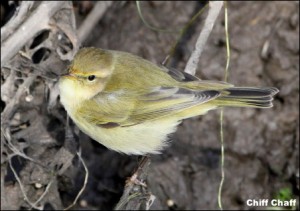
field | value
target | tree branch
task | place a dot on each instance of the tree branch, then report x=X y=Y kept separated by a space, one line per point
x=37 y=21
x=15 y=21
x=214 y=10
x=92 y=19
x=136 y=195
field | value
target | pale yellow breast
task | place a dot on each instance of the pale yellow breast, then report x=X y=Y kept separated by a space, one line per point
x=140 y=139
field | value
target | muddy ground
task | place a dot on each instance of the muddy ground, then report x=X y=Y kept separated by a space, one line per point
x=261 y=145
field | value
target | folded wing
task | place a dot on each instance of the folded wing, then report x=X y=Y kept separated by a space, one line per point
x=130 y=108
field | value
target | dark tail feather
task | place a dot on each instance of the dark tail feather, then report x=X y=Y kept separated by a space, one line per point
x=247 y=97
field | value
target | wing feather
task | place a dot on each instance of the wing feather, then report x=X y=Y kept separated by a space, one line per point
x=129 y=108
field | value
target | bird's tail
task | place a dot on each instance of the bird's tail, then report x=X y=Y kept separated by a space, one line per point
x=247 y=97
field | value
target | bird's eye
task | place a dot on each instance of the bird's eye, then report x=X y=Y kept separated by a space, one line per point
x=91 y=77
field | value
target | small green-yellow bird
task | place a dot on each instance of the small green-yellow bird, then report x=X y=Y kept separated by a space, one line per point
x=131 y=105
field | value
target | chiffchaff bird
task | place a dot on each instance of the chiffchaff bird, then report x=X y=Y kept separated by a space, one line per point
x=131 y=105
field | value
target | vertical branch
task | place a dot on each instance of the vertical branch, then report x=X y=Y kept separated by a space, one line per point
x=92 y=19
x=214 y=10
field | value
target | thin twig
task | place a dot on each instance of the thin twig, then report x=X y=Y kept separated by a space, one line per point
x=138 y=6
x=22 y=187
x=9 y=108
x=227 y=43
x=9 y=111
x=222 y=111
x=222 y=160
x=84 y=183
x=7 y=136
x=214 y=10
x=92 y=19
x=45 y=192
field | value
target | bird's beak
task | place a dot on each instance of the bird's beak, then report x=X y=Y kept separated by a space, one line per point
x=67 y=75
